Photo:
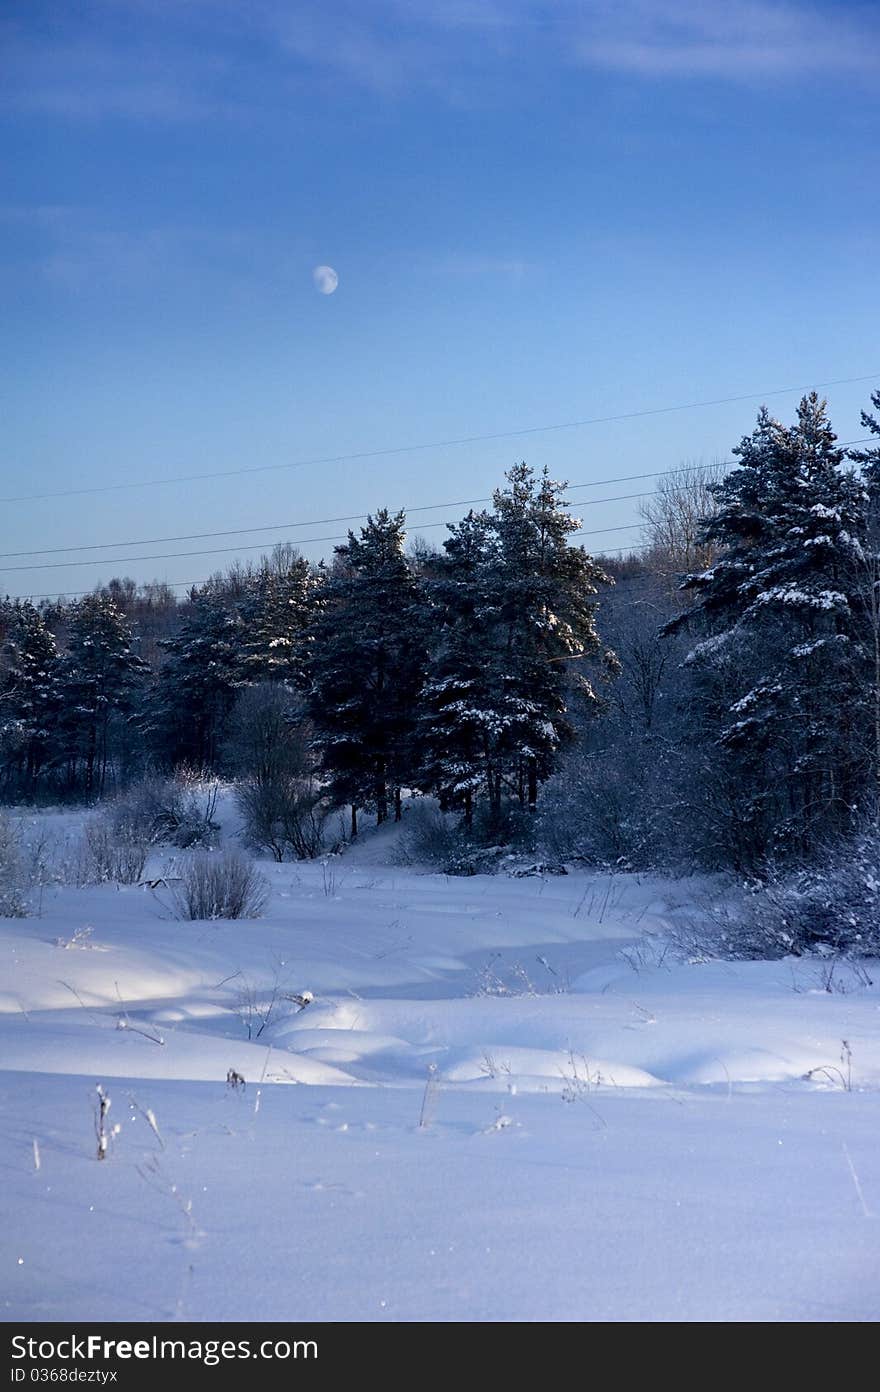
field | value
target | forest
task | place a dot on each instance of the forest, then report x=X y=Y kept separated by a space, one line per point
x=711 y=701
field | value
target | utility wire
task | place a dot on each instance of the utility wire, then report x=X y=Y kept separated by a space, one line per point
x=193 y=584
x=434 y=444
x=360 y=516
x=256 y=546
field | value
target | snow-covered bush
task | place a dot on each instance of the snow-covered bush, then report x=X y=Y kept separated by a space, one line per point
x=220 y=884
x=285 y=816
x=830 y=908
x=432 y=837
x=14 y=881
x=439 y=839
x=175 y=810
x=109 y=852
x=604 y=811
x=270 y=748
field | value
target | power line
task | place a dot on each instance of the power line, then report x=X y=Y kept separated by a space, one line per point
x=434 y=444
x=632 y=550
x=281 y=527
x=222 y=550
x=99 y=585
x=171 y=555
x=351 y=517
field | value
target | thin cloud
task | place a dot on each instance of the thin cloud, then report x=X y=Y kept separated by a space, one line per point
x=484 y=266
x=394 y=45
x=742 y=40
x=73 y=249
x=177 y=61
x=99 y=72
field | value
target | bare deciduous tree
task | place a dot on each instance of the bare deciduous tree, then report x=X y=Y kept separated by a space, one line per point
x=674 y=518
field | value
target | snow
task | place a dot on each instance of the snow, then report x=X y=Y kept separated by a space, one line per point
x=790 y=594
x=707 y=647
x=610 y=1132
x=807 y=649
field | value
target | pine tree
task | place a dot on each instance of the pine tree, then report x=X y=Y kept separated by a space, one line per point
x=365 y=664
x=516 y=605
x=456 y=751
x=781 y=675
x=187 y=710
x=869 y=573
x=870 y=459
x=29 y=696
x=100 y=677
x=276 y=614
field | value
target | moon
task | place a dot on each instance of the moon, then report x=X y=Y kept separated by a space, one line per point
x=326 y=279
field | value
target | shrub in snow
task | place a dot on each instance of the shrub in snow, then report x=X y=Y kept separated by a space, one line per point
x=29 y=862
x=439 y=839
x=220 y=884
x=174 y=810
x=589 y=814
x=285 y=816
x=270 y=748
x=537 y=871
x=624 y=806
x=14 y=884
x=109 y=853
x=432 y=837
x=830 y=908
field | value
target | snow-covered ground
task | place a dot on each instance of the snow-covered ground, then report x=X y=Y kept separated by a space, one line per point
x=507 y=1101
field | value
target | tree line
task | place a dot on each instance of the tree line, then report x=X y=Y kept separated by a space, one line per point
x=715 y=699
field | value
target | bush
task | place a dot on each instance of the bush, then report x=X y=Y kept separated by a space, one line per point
x=605 y=811
x=178 y=811
x=440 y=839
x=832 y=908
x=269 y=746
x=14 y=883
x=110 y=852
x=284 y=816
x=432 y=837
x=220 y=884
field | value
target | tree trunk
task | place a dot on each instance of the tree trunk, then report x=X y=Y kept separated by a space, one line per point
x=533 y=783
x=398 y=809
x=354 y=822
x=105 y=732
x=381 y=788
x=495 y=796
x=91 y=752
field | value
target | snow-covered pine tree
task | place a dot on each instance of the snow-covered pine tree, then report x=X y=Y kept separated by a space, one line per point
x=455 y=750
x=276 y=614
x=365 y=667
x=869 y=588
x=870 y=458
x=781 y=676
x=187 y=709
x=100 y=677
x=516 y=605
x=29 y=697
x=545 y=591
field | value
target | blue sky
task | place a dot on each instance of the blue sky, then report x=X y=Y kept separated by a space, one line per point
x=538 y=212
